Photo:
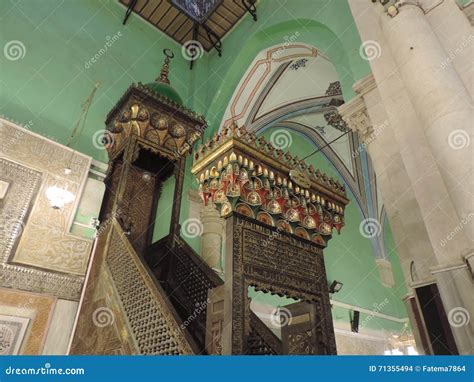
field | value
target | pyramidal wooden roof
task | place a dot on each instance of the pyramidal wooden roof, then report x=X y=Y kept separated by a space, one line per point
x=174 y=22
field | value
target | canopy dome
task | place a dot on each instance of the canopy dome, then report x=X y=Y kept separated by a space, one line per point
x=161 y=85
x=165 y=89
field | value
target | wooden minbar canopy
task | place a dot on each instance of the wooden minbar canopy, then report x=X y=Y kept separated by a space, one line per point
x=239 y=172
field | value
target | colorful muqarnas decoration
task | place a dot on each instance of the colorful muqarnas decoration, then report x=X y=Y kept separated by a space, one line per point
x=239 y=172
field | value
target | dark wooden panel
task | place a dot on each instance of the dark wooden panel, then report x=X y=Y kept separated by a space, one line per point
x=148 y=9
x=171 y=21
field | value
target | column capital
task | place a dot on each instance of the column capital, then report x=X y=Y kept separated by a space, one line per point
x=210 y=218
x=392 y=7
x=365 y=85
x=355 y=114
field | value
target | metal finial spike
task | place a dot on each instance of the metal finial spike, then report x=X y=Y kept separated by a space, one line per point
x=166 y=67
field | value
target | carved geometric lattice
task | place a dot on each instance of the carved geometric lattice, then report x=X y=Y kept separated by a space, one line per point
x=262 y=342
x=278 y=263
x=23 y=184
x=153 y=328
x=189 y=282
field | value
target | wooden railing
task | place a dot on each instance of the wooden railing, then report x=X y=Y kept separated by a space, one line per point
x=187 y=279
x=152 y=320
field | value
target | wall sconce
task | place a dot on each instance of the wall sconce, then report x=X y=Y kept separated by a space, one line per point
x=335 y=287
x=58 y=197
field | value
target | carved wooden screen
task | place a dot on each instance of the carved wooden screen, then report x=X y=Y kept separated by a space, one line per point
x=275 y=262
x=303 y=332
x=133 y=187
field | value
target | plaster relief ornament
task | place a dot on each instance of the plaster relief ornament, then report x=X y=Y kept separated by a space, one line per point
x=234 y=170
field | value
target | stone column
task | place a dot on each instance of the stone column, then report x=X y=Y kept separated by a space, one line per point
x=428 y=107
x=425 y=229
x=211 y=238
x=455 y=33
x=366 y=115
x=440 y=100
x=455 y=288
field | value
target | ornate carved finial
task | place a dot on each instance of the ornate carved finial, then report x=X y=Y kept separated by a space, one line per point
x=166 y=67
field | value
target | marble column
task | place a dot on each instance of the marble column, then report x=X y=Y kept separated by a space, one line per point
x=455 y=33
x=440 y=99
x=366 y=115
x=426 y=228
x=211 y=238
x=455 y=287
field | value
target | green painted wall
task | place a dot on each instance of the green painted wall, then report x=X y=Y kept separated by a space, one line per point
x=325 y=24
x=46 y=88
x=349 y=257
x=164 y=209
